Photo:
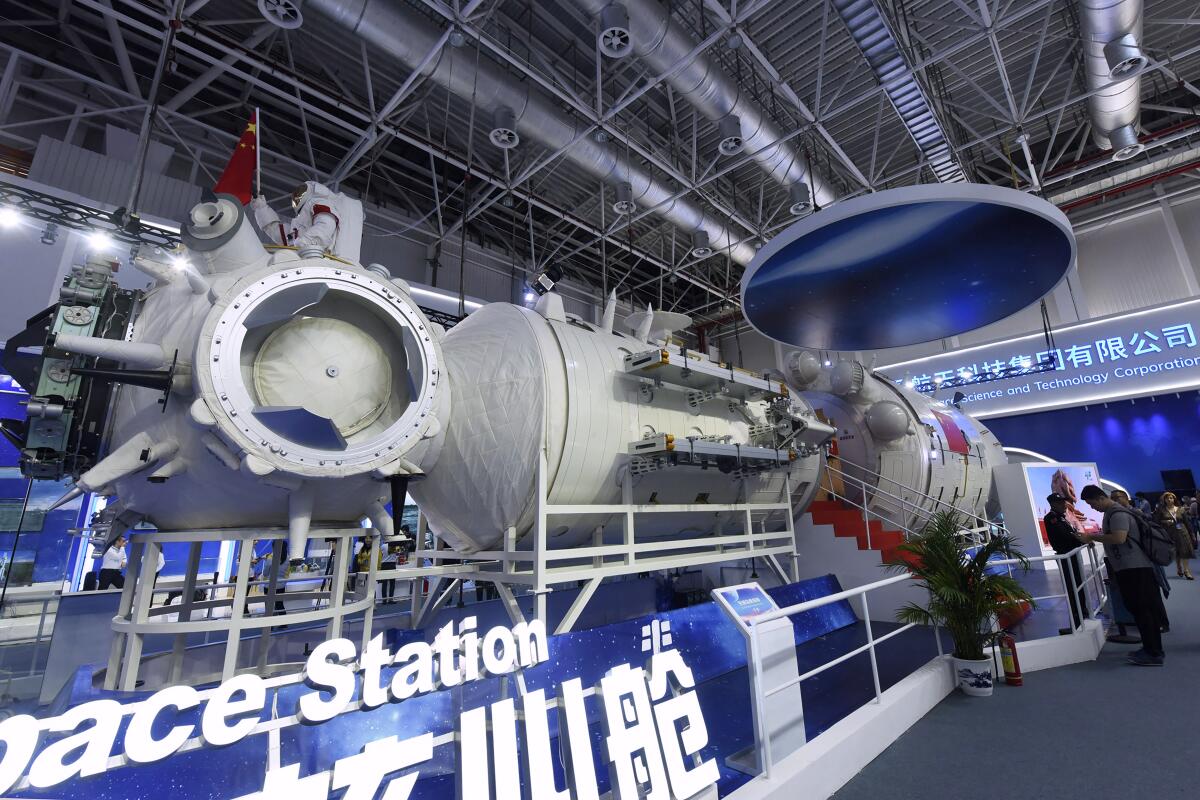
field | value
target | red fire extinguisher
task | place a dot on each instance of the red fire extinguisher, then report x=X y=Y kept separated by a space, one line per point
x=1008 y=656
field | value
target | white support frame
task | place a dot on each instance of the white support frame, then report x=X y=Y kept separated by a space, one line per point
x=539 y=567
x=136 y=617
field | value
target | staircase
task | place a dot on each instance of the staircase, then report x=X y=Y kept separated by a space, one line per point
x=831 y=537
x=847 y=522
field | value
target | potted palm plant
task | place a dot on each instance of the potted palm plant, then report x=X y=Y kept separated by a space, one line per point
x=964 y=597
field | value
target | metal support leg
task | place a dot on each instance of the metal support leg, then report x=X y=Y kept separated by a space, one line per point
x=572 y=615
x=143 y=594
x=123 y=611
x=369 y=614
x=185 y=612
x=341 y=560
x=510 y=603
x=238 y=611
x=264 y=636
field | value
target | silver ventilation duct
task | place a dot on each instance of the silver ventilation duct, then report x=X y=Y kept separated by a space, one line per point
x=1112 y=31
x=874 y=38
x=662 y=44
x=395 y=28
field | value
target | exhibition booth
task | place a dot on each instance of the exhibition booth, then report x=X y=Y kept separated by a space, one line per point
x=621 y=568
x=592 y=399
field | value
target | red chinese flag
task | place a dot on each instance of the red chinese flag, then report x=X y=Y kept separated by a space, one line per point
x=238 y=177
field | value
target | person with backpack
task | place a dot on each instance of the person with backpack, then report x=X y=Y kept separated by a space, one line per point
x=1171 y=516
x=1133 y=548
x=1160 y=575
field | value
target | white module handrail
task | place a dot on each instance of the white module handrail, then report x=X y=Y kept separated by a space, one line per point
x=914 y=507
x=878 y=476
x=759 y=699
x=977 y=535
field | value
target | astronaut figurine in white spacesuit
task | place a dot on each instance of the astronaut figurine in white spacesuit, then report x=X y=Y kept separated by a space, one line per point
x=325 y=222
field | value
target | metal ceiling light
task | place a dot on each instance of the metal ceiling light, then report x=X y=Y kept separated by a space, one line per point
x=700 y=248
x=1125 y=59
x=1125 y=144
x=615 y=39
x=624 y=203
x=282 y=13
x=504 y=129
x=731 y=135
x=801 y=199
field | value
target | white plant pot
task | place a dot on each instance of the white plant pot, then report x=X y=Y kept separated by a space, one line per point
x=974 y=677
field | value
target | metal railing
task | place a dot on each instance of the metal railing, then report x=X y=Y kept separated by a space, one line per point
x=918 y=505
x=872 y=642
x=975 y=536
x=1093 y=577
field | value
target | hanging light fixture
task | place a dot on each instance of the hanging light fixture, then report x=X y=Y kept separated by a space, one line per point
x=615 y=39
x=731 y=135
x=624 y=203
x=801 y=199
x=504 y=129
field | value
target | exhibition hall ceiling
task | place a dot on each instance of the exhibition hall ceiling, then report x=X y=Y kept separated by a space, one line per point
x=506 y=114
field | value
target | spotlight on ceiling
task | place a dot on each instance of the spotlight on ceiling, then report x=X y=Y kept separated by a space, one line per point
x=9 y=217
x=801 y=199
x=100 y=242
x=1125 y=144
x=615 y=39
x=50 y=233
x=700 y=248
x=624 y=203
x=504 y=129
x=1125 y=58
x=731 y=135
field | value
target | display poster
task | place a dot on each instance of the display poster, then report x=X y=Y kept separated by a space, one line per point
x=1067 y=480
x=1136 y=354
x=746 y=601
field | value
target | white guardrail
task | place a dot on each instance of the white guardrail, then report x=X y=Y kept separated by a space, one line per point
x=1095 y=576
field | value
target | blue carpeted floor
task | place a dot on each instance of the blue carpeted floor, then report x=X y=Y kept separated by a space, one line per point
x=1097 y=730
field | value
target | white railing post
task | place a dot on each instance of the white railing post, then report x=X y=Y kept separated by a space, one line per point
x=764 y=735
x=871 y=642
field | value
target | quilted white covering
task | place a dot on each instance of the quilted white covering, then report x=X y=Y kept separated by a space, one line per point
x=489 y=459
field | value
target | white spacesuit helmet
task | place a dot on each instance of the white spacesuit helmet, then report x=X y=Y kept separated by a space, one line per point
x=299 y=195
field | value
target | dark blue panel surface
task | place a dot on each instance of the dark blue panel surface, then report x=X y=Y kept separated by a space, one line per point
x=711 y=645
x=1130 y=441
x=902 y=274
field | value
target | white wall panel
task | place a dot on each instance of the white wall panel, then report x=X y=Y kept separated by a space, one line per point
x=108 y=180
x=1187 y=217
x=1129 y=264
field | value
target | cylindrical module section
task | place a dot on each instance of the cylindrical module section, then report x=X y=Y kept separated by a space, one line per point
x=530 y=392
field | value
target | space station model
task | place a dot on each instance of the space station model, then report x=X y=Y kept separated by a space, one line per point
x=284 y=387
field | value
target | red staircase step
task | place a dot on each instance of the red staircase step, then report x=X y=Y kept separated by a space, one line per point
x=847 y=522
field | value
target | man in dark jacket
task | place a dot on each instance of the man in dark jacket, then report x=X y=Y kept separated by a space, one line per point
x=1063 y=538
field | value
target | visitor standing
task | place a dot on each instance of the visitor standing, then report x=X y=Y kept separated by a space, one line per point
x=1141 y=503
x=1160 y=575
x=1063 y=538
x=1171 y=516
x=111 y=564
x=1135 y=572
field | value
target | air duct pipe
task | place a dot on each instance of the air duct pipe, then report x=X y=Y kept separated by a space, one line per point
x=395 y=28
x=661 y=44
x=1112 y=30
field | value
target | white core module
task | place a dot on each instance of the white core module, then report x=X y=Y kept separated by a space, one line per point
x=302 y=386
x=916 y=455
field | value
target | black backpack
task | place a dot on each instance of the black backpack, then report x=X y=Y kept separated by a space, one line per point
x=1156 y=541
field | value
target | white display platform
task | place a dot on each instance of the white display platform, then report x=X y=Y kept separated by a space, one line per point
x=829 y=761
